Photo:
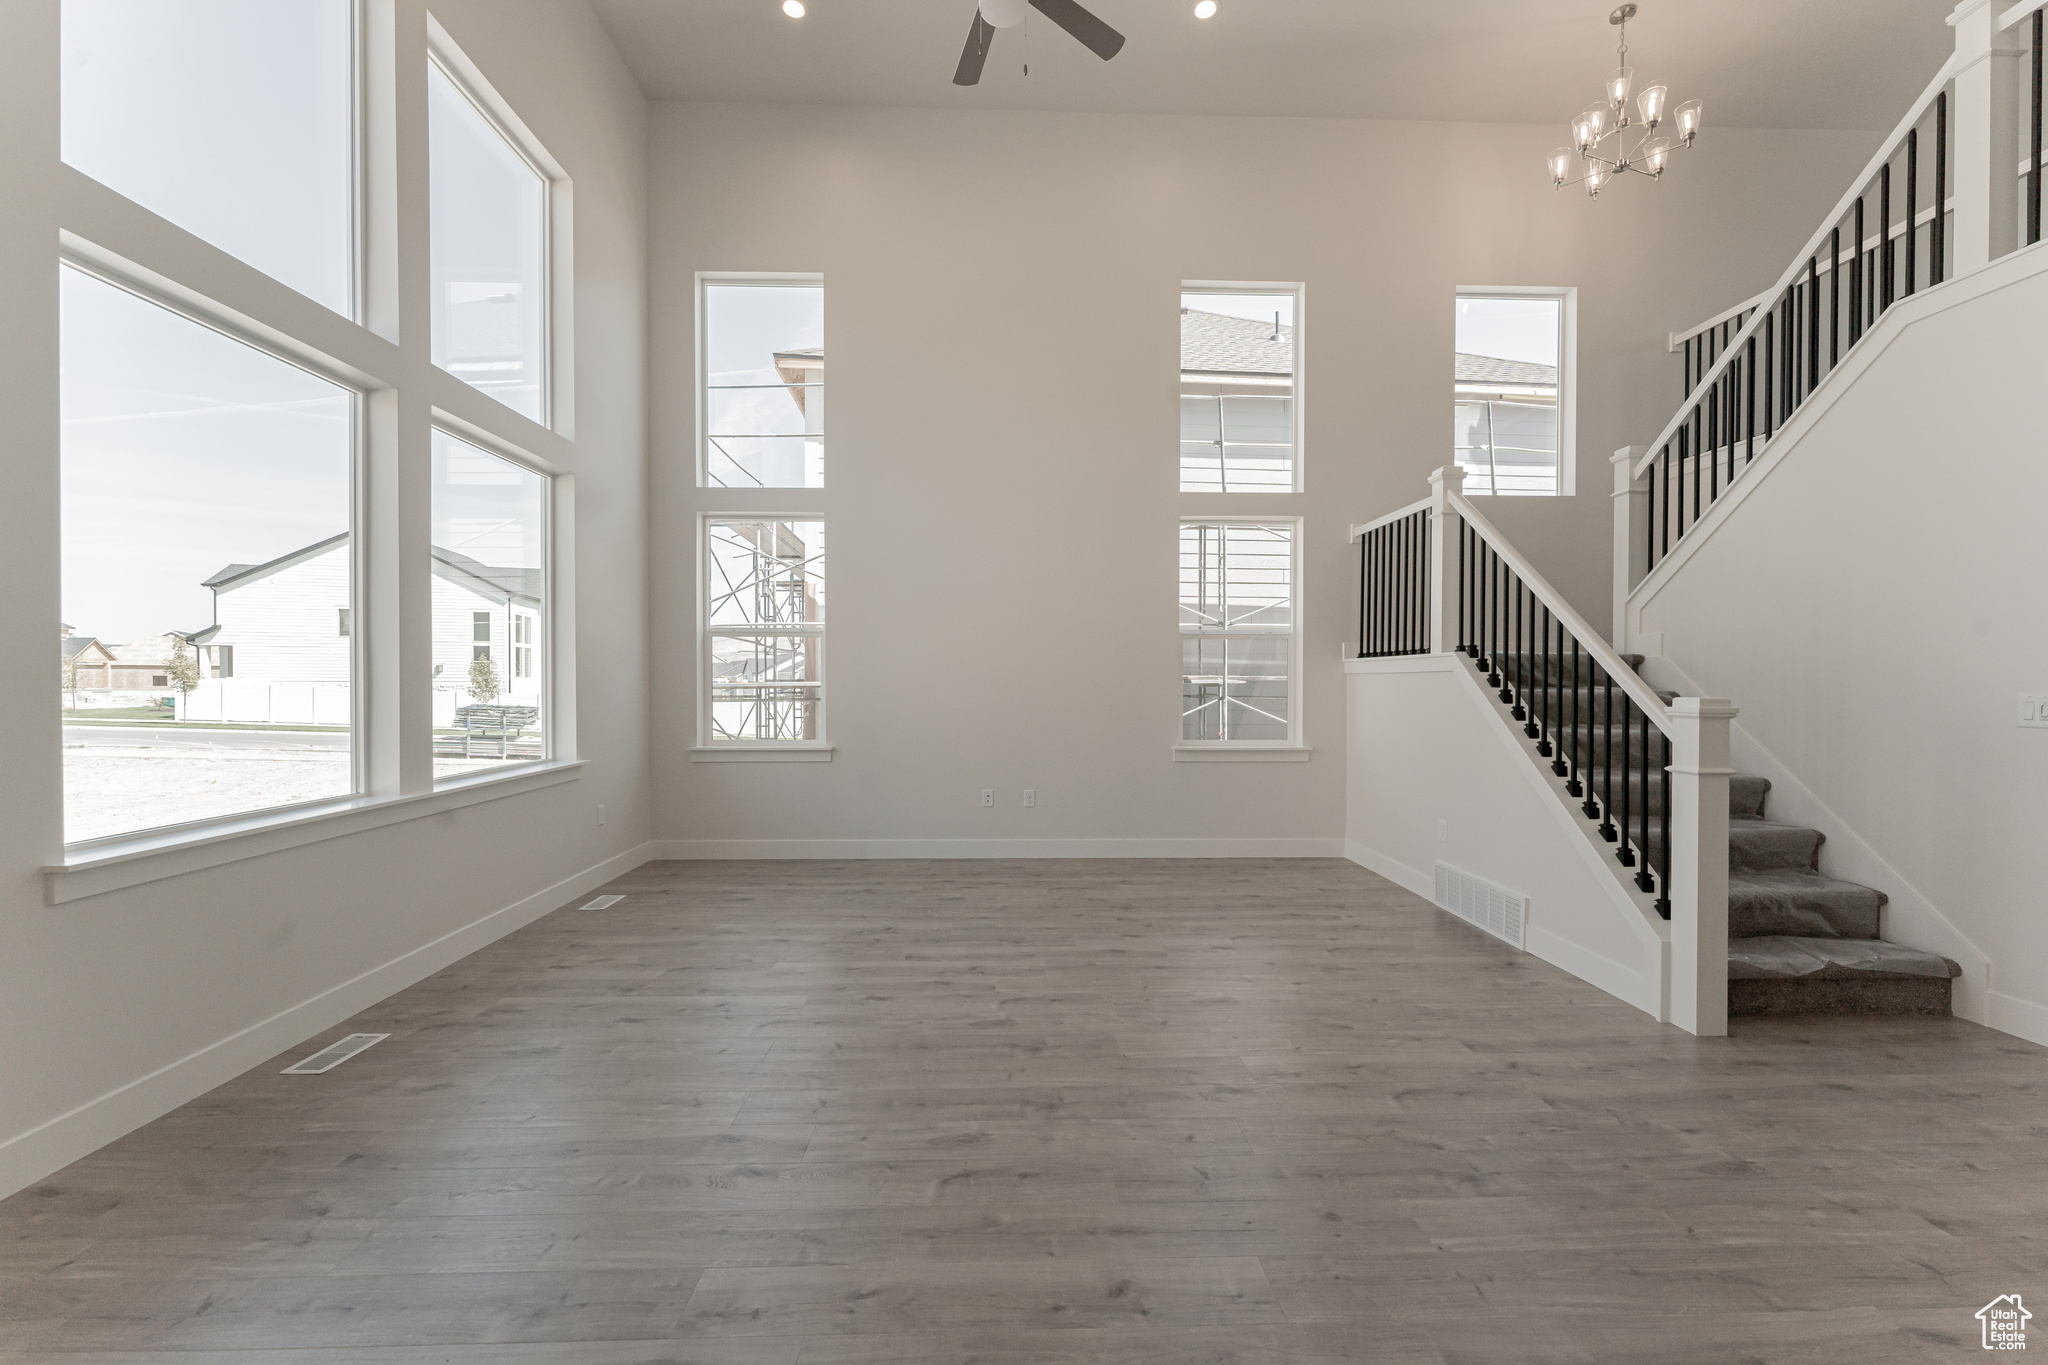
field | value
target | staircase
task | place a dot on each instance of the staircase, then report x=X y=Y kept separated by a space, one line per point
x=1799 y=942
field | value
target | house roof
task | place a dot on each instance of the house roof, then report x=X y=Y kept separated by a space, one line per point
x=1487 y=369
x=75 y=645
x=236 y=575
x=1216 y=343
x=496 y=580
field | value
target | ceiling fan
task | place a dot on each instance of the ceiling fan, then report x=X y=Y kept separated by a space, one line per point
x=1098 y=37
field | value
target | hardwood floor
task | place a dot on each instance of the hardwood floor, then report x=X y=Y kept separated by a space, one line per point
x=1141 y=1112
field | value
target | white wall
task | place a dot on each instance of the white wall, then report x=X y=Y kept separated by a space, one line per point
x=1001 y=466
x=119 y=1006
x=1872 y=604
x=1437 y=775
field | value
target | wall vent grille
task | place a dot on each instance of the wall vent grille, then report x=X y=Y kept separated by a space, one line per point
x=603 y=901
x=1498 y=911
x=334 y=1054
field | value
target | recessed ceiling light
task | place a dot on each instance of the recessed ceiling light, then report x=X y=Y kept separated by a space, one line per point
x=795 y=8
x=1205 y=9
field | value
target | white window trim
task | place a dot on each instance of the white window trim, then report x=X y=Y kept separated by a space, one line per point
x=1567 y=370
x=1299 y=290
x=1293 y=749
x=111 y=237
x=767 y=279
x=707 y=750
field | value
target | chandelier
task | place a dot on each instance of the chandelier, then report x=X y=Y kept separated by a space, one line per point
x=1608 y=118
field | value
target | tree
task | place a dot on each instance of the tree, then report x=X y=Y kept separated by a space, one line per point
x=183 y=668
x=71 y=679
x=483 y=681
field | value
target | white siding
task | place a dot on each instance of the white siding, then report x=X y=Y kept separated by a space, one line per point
x=285 y=627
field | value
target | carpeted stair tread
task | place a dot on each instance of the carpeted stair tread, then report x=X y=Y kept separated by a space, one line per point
x=1775 y=902
x=1746 y=795
x=1755 y=844
x=1788 y=957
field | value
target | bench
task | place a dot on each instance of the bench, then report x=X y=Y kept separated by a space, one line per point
x=504 y=726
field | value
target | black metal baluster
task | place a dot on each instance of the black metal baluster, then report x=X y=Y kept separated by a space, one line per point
x=1539 y=720
x=1665 y=546
x=1364 y=587
x=1664 y=855
x=1834 y=296
x=1688 y=370
x=1699 y=453
x=1770 y=377
x=1643 y=880
x=1711 y=451
x=1607 y=757
x=1937 y=240
x=1461 y=586
x=1624 y=854
x=2034 y=140
x=1884 y=239
x=1749 y=416
x=1913 y=197
x=1813 y=322
x=1856 y=280
x=1520 y=711
x=1572 y=786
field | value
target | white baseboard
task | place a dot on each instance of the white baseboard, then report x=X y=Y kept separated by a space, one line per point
x=1616 y=978
x=688 y=849
x=28 y=1157
x=2021 y=1018
x=1393 y=869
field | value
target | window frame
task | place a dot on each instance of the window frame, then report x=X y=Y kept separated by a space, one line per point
x=1294 y=747
x=1298 y=290
x=709 y=749
x=765 y=279
x=1567 y=374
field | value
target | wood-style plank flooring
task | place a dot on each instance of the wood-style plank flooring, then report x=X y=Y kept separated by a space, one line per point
x=1133 y=1112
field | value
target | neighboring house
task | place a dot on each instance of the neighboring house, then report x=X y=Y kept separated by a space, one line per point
x=1506 y=424
x=145 y=664
x=291 y=620
x=86 y=663
x=1236 y=402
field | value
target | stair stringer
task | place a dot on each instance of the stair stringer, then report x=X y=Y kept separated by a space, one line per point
x=1646 y=984
x=1908 y=918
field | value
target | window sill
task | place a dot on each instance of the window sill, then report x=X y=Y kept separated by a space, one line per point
x=1241 y=753
x=746 y=752
x=112 y=865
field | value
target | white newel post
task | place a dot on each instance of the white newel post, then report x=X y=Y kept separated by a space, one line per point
x=1989 y=78
x=1443 y=558
x=1699 y=864
x=1631 y=545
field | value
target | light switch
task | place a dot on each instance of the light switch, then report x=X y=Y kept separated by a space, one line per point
x=2034 y=710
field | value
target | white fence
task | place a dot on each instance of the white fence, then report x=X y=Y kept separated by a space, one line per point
x=261 y=703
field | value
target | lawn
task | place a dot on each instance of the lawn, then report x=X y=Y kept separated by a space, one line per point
x=120 y=713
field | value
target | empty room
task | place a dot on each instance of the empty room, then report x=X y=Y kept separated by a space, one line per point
x=1118 y=838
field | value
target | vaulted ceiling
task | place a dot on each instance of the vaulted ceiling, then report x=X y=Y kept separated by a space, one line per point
x=1756 y=63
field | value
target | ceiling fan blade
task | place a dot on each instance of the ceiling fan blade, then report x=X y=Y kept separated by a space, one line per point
x=1098 y=37
x=979 y=34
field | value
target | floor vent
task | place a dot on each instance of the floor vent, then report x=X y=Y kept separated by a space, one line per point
x=1497 y=911
x=334 y=1054
x=603 y=901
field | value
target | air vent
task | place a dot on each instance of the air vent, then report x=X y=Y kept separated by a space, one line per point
x=1499 y=912
x=334 y=1054
x=602 y=901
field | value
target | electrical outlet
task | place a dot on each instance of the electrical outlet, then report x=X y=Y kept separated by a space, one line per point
x=1030 y=797
x=1443 y=831
x=600 y=812
x=2034 y=710
x=988 y=796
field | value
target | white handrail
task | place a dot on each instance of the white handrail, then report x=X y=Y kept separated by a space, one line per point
x=1884 y=153
x=1589 y=639
x=2018 y=12
x=1677 y=339
x=1410 y=510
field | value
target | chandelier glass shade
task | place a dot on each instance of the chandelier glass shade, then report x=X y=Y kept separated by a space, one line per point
x=1602 y=146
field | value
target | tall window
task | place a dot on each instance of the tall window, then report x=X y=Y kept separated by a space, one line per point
x=1239 y=584
x=762 y=404
x=489 y=251
x=764 y=631
x=1239 y=369
x=1512 y=390
x=233 y=119
x=207 y=511
x=490 y=575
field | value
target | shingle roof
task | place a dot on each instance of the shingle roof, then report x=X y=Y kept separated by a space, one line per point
x=1487 y=369
x=1216 y=343
x=519 y=582
x=77 y=644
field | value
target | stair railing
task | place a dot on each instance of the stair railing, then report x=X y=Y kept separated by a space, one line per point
x=1651 y=779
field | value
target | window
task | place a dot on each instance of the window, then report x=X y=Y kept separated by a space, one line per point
x=206 y=484
x=1238 y=608
x=489 y=251
x=1513 y=390
x=233 y=119
x=489 y=524
x=764 y=631
x=762 y=405
x=1239 y=369
x=522 y=645
x=342 y=613
x=224 y=661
